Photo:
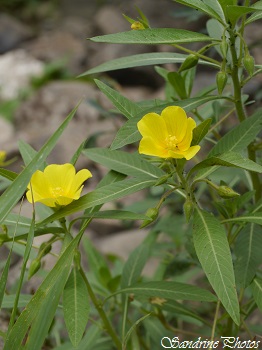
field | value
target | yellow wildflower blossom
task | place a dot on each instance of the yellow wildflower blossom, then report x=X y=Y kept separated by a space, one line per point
x=168 y=135
x=137 y=25
x=57 y=185
x=2 y=158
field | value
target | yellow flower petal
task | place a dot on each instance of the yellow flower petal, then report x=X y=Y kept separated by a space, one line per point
x=79 y=178
x=153 y=126
x=60 y=175
x=191 y=152
x=186 y=141
x=40 y=187
x=176 y=121
x=151 y=148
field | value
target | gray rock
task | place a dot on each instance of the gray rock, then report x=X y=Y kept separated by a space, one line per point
x=12 y=32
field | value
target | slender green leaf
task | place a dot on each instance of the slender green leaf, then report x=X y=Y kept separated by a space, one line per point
x=200 y=131
x=28 y=153
x=152 y=36
x=129 y=133
x=234 y=12
x=124 y=105
x=248 y=254
x=213 y=252
x=76 y=306
x=46 y=298
x=144 y=59
x=113 y=215
x=15 y=191
x=229 y=159
x=178 y=83
x=100 y=196
x=8 y=174
x=256 y=15
x=168 y=290
x=8 y=300
x=255 y=218
x=225 y=3
x=257 y=291
x=130 y=164
x=3 y=279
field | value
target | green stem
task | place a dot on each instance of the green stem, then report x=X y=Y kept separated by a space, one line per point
x=241 y=113
x=199 y=55
x=101 y=312
x=214 y=324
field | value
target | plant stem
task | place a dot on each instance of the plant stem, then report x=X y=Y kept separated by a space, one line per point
x=214 y=324
x=101 y=312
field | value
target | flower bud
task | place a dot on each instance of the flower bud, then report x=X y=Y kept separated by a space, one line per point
x=137 y=25
x=163 y=179
x=249 y=63
x=44 y=249
x=190 y=62
x=34 y=267
x=226 y=192
x=221 y=80
x=224 y=47
x=188 y=208
x=152 y=214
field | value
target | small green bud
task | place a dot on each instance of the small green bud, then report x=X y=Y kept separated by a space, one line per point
x=224 y=47
x=34 y=267
x=226 y=192
x=152 y=214
x=221 y=80
x=163 y=179
x=190 y=62
x=188 y=209
x=44 y=249
x=249 y=63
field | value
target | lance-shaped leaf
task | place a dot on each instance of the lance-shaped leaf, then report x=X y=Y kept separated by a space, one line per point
x=126 y=163
x=213 y=252
x=255 y=218
x=257 y=291
x=128 y=108
x=143 y=59
x=248 y=254
x=152 y=36
x=229 y=159
x=76 y=306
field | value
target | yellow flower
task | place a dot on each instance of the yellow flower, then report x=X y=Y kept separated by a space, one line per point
x=2 y=158
x=57 y=185
x=168 y=135
x=137 y=26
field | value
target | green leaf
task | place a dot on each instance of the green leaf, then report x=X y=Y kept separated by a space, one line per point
x=114 y=215
x=28 y=153
x=225 y=3
x=229 y=159
x=236 y=140
x=100 y=196
x=234 y=12
x=213 y=252
x=255 y=218
x=200 y=131
x=178 y=83
x=256 y=15
x=76 y=306
x=8 y=301
x=129 y=133
x=168 y=290
x=8 y=174
x=214 y=10
x=144 y=59
x=131 y=164
x=257 y=291
x=152 y=36
x=43 y=303
x=124 y=105
x=248 y=254
x=15 y=191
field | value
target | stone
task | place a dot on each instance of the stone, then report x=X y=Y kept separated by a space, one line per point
x=12 y=33
x=17 y=68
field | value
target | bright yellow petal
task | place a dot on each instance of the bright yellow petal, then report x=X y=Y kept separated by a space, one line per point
x=176 y=121
x=79 y=178
x=148 y=146
x=60 y=176
x=49 y=202
x=191 y=152
x=176 y=154
x=63 y=200
x=40 y=187
x=186 y=142
x=154 y=127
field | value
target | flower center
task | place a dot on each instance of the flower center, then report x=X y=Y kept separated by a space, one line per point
x=57 y=192
x=171 y=142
